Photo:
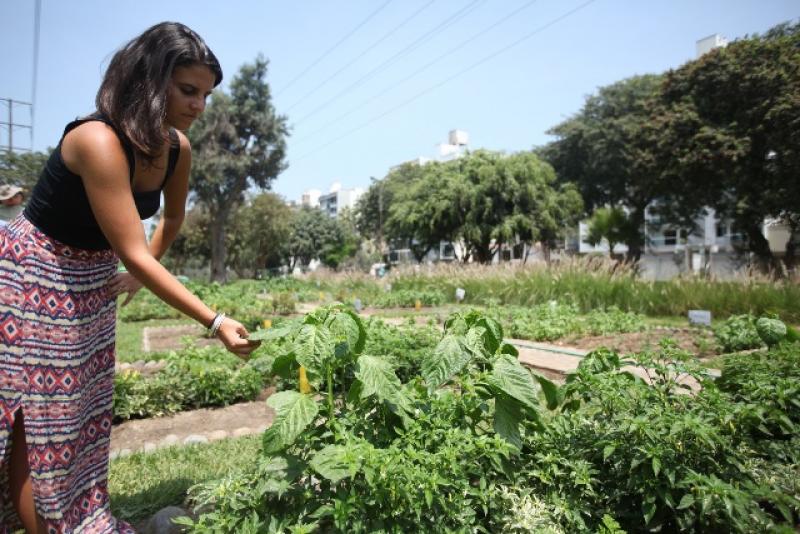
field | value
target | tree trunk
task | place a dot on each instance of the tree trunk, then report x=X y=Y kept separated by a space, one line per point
x=219 y=249
x=790 y=259
x=635 y=242
x=758 y=244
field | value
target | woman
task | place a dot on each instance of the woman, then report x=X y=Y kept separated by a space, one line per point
x=59 y=279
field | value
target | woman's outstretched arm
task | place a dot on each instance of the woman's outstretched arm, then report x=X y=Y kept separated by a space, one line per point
x=93 y=151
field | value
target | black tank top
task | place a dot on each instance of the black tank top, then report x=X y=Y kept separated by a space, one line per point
x=60 y=208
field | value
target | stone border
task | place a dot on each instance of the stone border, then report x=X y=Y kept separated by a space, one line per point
x=141 y=366
x=173 y=440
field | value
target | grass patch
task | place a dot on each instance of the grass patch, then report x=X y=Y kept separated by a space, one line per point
x=129 y=338
x=142 y=484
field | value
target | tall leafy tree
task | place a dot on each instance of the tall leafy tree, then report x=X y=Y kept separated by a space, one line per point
x=258 y=233
x=728 y=125
x=609 y=224
x=512 y=198
x=22 y=168
x=605 y=151
x=313 y=234
x=429 y=209
x=238 y=143
x=191 y=247
x=373 y=208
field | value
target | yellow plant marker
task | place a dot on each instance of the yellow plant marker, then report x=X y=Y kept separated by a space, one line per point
x=305 y=387
x=321 y=296
x=267 y=323
x=214 y=307
x=418 y=305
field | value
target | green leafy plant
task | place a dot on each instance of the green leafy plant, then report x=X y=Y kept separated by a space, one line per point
x=738 y=332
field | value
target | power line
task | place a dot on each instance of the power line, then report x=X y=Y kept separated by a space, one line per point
x=362 y=54
x=394 y=85
x=449 y=79
x=415 y=44
x=335 y=46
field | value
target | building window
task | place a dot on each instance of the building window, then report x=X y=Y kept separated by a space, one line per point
x=448 y=252
x=722 y=229
x=670 y=237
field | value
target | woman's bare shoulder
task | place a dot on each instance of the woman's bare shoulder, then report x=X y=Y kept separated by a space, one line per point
x=184 y=141
x=88 y=141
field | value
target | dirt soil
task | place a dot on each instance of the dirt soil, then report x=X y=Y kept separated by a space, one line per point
x=166 y=338
x=135 y=433
x=697 y=341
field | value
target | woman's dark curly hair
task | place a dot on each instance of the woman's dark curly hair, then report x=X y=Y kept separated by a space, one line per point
x=133 y=95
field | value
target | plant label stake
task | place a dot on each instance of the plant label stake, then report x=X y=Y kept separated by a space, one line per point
x=418 y=305
x=700 y=317
x=267 y=323
x=460 y=294
x=357 y=305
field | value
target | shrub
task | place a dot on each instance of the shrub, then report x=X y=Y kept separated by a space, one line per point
x=738 y=332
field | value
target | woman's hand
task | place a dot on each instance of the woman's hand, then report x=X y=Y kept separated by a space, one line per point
x=234 y=335
x=124 y=283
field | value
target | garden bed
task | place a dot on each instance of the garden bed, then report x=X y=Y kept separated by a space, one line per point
x=699 y=342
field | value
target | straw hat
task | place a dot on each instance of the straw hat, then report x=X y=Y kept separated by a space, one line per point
x=8 y=191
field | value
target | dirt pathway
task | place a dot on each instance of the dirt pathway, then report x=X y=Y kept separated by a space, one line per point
x=197 y=426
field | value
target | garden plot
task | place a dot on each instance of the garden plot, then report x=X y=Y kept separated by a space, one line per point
x=166 y=338
x=695 y=340
x=461 y=437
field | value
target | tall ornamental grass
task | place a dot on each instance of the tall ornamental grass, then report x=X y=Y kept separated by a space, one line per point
x=592 y=283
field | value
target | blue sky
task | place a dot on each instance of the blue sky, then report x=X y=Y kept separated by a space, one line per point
x=346 y=131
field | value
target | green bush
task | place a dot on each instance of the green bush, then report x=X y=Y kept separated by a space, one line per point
x=440 y=451
x=553 y=320
x=738 y=332
x=193 y=378
x=408 y=299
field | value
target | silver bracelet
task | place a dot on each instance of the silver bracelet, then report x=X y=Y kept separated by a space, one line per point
x=215 y=324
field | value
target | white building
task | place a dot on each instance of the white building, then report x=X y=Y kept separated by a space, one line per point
x=338 y=199
x=707 y=44
x=455 y=147
x=310 y=198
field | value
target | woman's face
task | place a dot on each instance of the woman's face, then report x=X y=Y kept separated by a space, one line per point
x=186 y=94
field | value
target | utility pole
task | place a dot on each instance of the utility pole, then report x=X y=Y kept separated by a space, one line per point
x=10 y=148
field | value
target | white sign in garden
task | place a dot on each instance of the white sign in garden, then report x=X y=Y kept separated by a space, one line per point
x=700 y=317
x=460 y=294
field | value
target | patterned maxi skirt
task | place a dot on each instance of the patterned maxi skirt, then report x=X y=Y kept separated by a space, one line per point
x=57 y=328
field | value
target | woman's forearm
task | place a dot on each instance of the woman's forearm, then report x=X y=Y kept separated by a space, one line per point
x=163 y=236
x=157 y=279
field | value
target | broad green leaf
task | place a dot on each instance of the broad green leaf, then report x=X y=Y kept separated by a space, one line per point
x=266 y=334
x=649 y=510
x=514 y=380
x=474 y=341
x=493 y=336
x=377 y=377
x=448 y=358
x=686 y=501
x=280 y=471
x=336 y=462
x=656 y=466
x=354 y=393
x=507 y=417
x=344 y=327
x=313 y=345
x=552 y=393
x=294 y=411
x=508 y=348
x=285 y=366
x=608 y=450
